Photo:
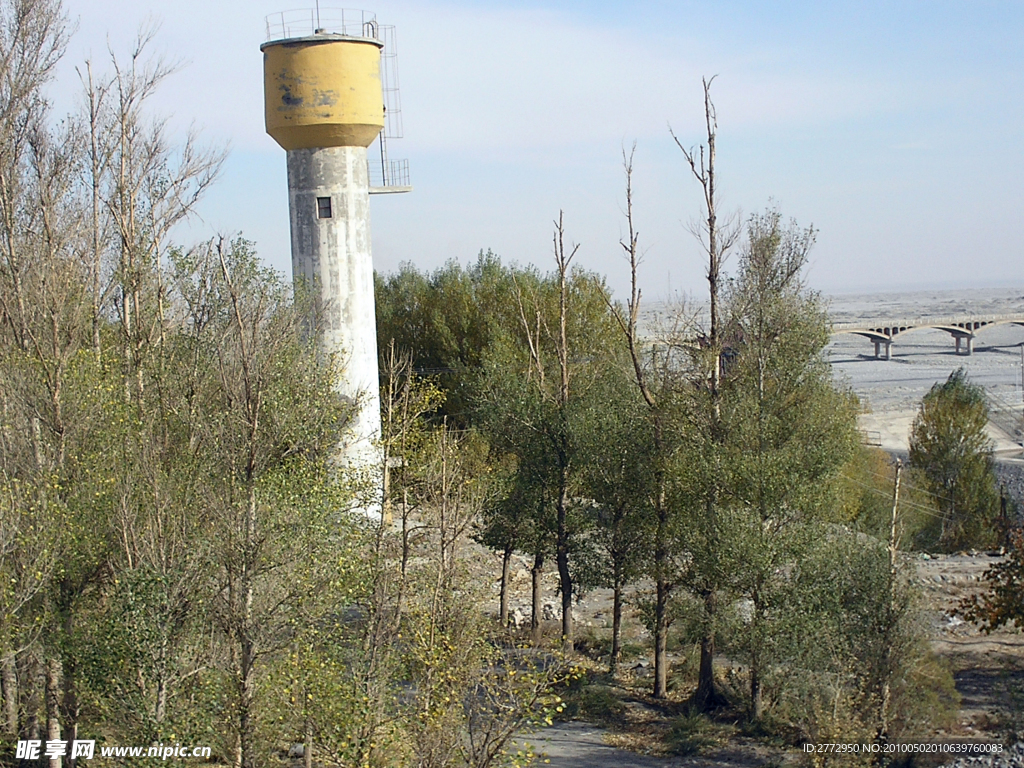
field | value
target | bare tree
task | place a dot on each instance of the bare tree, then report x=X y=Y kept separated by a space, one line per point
x=146 y=185
x=562 y=439
x=33 y=37
x=272 y=424
x=717 y=240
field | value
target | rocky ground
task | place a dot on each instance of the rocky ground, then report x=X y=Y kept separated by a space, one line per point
x=1011 y=757
x=988 y=668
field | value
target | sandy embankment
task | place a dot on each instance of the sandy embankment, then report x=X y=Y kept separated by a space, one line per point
x=892 y=429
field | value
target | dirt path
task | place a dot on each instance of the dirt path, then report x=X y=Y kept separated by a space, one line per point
x=581 y=745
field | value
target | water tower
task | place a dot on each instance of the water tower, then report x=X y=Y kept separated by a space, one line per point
x=327 y=100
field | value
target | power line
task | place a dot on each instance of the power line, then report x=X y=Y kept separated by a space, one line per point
x=910 y=485
x=922 y=509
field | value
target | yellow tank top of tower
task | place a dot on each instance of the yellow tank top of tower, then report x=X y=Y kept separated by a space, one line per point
x=323 y=90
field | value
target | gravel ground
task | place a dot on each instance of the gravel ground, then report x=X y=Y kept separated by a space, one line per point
x=581 y=745
x=1011 y=757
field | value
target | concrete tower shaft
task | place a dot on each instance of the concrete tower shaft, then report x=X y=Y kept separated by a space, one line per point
x=329 y=206
x=325 y=106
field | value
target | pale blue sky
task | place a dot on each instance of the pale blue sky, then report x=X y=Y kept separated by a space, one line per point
x=896 y=128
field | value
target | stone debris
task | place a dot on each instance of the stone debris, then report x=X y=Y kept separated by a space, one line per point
x=1010 y=757
x=518 y=619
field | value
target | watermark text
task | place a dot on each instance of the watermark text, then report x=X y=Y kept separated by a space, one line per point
x=36 y=749
x=898 y=748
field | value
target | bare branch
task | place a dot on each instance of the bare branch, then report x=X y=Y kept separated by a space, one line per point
x=629 y=325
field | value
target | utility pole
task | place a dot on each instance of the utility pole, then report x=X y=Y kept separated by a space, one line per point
x=893 y=541
x=1003 y=524
x=883 y=730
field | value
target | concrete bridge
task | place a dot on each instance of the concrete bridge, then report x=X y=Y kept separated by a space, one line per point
x=962 y=329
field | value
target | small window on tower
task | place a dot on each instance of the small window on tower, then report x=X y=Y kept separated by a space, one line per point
x=323 y=207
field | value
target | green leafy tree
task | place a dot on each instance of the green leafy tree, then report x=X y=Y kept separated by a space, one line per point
x=789 y=432
x=618 y=455
x=507 y=526
x=447 y=320
x=866 y=497
x=845 y=631
x=534 y=399
x=949 y=444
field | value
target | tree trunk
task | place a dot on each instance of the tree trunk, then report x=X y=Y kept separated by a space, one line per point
x=307 y=747
x=562 y=549
x=28 y=690
x=246 y=738
x=883 y=715
x=705 y=698
x=535 y=614
x=386 y=514
x=613 y=663
x=662 y=589
x=9 y=672
x=69 y=704
x=160 y=709
x=565 y=581
x=69 y=707
x=564 y=577
x=53 y=704
x=756 y=657
x=246 y=644
x=756 y=703
x=661 y=639
x=506 y=562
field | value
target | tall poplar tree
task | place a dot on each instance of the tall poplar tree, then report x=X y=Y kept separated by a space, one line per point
x=789 y=431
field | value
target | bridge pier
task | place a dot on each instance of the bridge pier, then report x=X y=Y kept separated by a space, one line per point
x=888 y=349
x=968 y=347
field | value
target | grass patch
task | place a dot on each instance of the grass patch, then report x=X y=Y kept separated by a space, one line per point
x=691 y=734
x=595 y=703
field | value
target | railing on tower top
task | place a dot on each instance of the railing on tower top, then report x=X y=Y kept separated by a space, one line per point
x=386 y=175
x=304 y=22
